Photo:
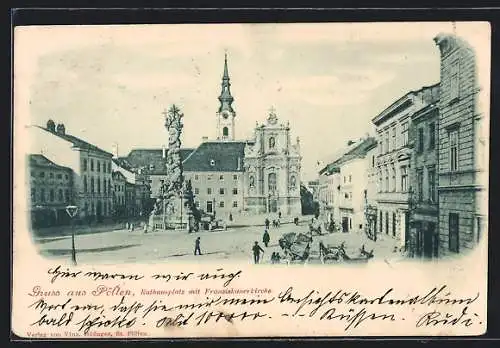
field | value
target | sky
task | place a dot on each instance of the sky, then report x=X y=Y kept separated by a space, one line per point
x=110 y=84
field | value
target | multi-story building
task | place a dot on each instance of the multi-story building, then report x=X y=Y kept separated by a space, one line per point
x=423 y=238
x=353 y=186
x=51 y=190
x=393 y=163
x=91 y=167
x=329 y=192
x=462 y=149
x=131 y=208
x=370 y=208
x=119 y=208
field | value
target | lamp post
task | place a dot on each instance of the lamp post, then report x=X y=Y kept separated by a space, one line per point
x=71 y=210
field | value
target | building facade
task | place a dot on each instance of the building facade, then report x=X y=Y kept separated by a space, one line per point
x=119 y=207
x=394 y=163
x=272 y=170
x=370 y=199
x=424 y=239
x=51 y=190
x=462 y=129
x=91 y=167
x=329 y=193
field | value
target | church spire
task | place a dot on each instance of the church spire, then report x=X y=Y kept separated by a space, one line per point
x=225 y=98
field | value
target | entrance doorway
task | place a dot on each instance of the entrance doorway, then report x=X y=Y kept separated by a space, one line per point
x=345 y=224
x=429 y=241
x=210 y=207
x=273 y=206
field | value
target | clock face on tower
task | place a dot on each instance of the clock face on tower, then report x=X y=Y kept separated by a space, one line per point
x=225 y=115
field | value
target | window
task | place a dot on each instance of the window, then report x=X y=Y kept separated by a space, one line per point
x=404 y=132
x=387 y=142
x=222 y=191
x=98 y=166
x=271 y=142
x=51 y=175
x=235 y=191
x=196 y=191
x=225 y=132
x=235 y=204
x=66 y=195
x=196 y=177
x=109 y=167
x=404 y=179
x=455 y=80
x=420 y=184
x=59 y=176
x=91 y=165
x=386 y=222
x=42 y=174
x=91 y=185
x=431 y=173
x=394 y=145
x=272 y=182
x=453 y=140
x=42 y=195
x=109 y=185
x=85 y=164
x=293 y=182
x=209 y=177
x=66 y=176
x=453 y=232
x=98 y=185
x=393 y=170
x=235 y=177
x=373 y=161
x=60 y=195
x=432 y=135
x=221 y=204
x=394 y=224
x=420 y=140
x=386 y=179
x=51 y=195
x=252 y=181
x=221 y=177
x=209 y=191
x=350 y=178
x=84 y=184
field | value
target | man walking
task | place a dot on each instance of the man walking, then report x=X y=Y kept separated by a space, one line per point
x=197 y=246
x=266 y=238
x=256 y=252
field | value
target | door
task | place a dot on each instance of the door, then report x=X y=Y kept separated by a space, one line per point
x=273 y=206
x=429 y=241
x=345 y=224
x=209 y=207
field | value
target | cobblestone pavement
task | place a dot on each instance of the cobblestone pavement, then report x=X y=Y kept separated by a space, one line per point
x=235 y=243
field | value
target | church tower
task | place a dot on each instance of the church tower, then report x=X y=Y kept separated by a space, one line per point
x=225 y=114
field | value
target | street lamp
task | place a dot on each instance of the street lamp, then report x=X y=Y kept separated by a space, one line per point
x=72 y=210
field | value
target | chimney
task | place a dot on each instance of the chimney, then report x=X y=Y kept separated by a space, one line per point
x=204 y=139
x=61 y=129
x=163 y=151
x=51 y=126
x=350 y=142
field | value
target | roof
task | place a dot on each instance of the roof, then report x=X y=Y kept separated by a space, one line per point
x=118 y=175
x=215 y=156
x=149 y=158
x=358 y=151
x=77 y=142
x=37 y=160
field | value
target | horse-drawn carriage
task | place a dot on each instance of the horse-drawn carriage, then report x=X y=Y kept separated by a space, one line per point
x=338 y=254
x=296 y=247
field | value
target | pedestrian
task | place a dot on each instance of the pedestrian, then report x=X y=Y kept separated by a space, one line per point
x=128 y=226
x=197 y=246
x=267 y=223
x=145 y=227
x=256 y=252
x=266 y=238
x=132 y=227
x=230 y=217
x=279 y=214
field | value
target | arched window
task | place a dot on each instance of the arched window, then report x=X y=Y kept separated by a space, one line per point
x=271 y=142
x=66 y=194
x=84 y=184
x=272 y=182
x=104 y=185
x=225 y=131
x=60 y=195
x=92 y=186
x=98 y=185
x=293 y=181
x=252 y=181
x=51 y=195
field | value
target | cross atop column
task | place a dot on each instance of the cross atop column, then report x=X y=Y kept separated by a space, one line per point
x=272 y=110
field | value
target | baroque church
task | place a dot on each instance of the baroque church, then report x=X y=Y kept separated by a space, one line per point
x=231 y=176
